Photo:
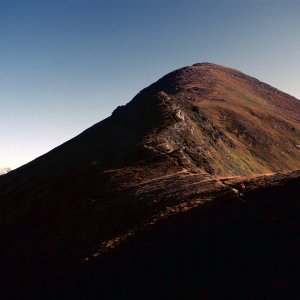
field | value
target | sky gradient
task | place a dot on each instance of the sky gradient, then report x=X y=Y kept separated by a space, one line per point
x=65 y=65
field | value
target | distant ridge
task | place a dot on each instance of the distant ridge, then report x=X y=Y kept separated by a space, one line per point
x=4 y=170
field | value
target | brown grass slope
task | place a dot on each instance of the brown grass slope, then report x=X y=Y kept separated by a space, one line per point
x=159 y=154
x=229 y=123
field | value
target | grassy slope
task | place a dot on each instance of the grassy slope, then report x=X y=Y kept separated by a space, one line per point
x=264 y=135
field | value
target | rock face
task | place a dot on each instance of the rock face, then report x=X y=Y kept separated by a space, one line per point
x=174 y=154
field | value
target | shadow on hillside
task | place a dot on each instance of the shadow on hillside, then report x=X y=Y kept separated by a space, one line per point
x=227 y=249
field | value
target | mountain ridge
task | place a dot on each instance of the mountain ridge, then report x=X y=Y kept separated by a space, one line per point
x=169 y=84
x=181 y=147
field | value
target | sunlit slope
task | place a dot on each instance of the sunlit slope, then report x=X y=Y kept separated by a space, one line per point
x=238 y=125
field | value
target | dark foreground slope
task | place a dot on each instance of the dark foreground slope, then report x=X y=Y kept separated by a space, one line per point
x=139 y=176
x=225 y=248
x=207 y=245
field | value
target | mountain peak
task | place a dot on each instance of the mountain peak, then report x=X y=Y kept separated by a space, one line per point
x=205 y=118
x=171 y=160
x=221 y=121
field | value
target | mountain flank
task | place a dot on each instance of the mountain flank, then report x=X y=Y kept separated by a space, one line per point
x=161 y=173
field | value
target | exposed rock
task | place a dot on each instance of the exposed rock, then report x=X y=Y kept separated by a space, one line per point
x=179 y=115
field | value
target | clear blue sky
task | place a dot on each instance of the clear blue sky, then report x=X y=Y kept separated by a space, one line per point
x=65 y=65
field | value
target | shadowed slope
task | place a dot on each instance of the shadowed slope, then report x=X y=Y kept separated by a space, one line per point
x=204 y=242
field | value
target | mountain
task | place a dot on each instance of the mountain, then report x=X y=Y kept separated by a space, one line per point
x=134 y=199
x=4 y=170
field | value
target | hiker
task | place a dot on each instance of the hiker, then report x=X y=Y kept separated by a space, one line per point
x=243 y=187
